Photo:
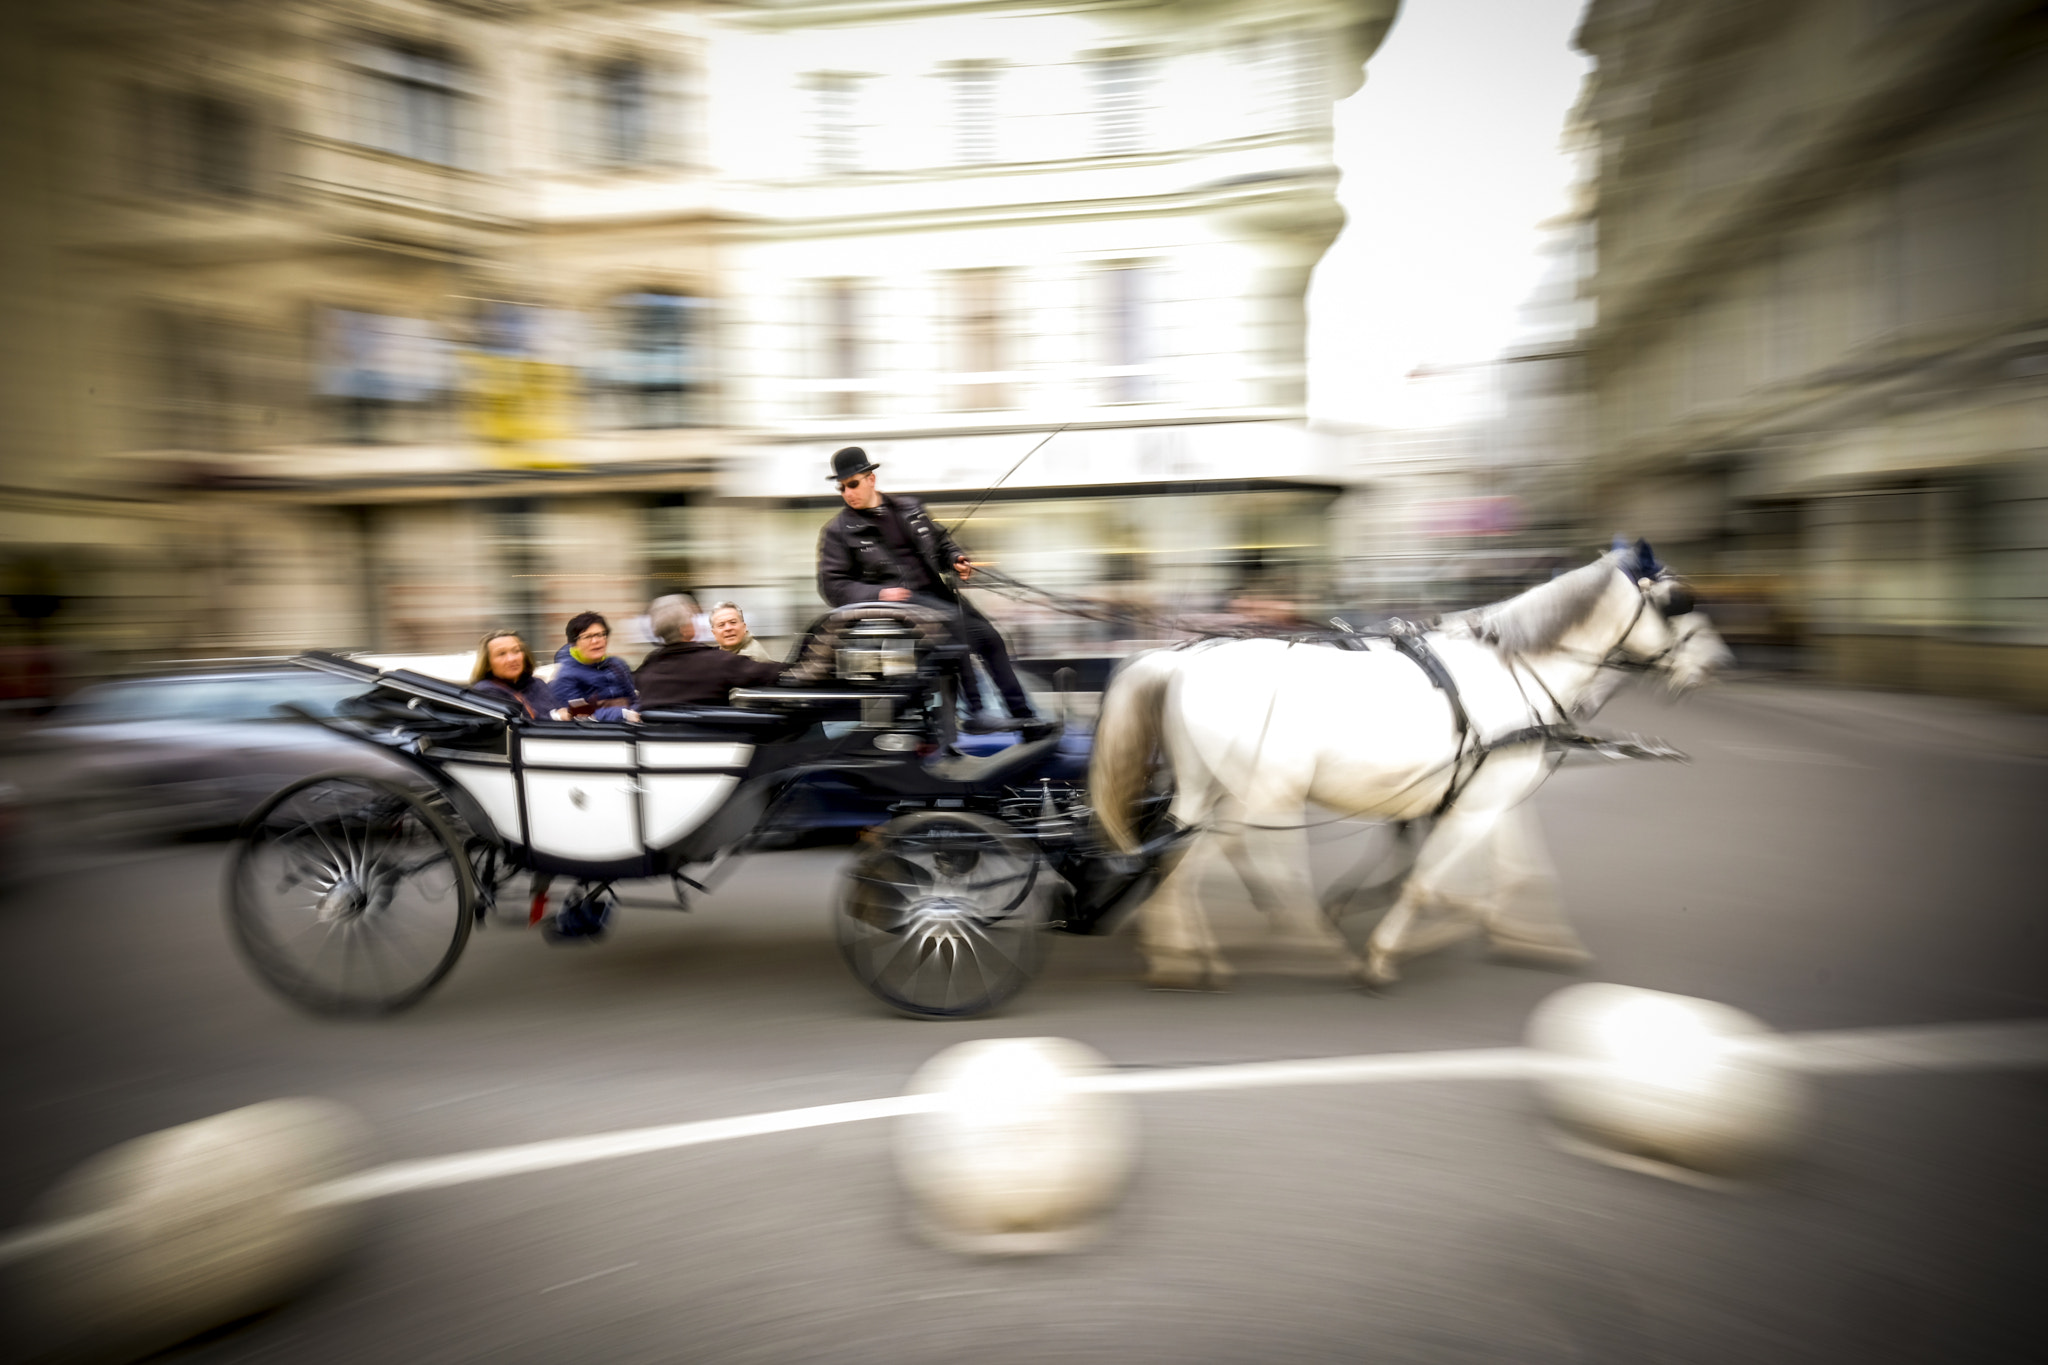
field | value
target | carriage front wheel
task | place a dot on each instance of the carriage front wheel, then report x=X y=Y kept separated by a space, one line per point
x=939 y=917
x=350 y=895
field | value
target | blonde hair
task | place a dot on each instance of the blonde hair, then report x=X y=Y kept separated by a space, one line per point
x=482 y=667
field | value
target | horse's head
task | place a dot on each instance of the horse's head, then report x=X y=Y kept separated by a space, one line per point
x=1667 y=633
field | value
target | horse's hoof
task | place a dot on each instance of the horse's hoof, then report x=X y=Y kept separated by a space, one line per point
x=1378 y=972
x=1177 y=978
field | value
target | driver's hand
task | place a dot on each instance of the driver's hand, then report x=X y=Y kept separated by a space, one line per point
x=964 y=567
x=895 y=594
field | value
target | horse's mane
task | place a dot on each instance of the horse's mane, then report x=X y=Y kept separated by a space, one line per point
x=1538 y=618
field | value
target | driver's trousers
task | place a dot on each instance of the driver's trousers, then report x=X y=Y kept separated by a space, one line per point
x=979 y=634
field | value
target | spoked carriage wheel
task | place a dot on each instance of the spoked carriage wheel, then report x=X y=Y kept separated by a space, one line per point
x=938 y=918
x=350 y=895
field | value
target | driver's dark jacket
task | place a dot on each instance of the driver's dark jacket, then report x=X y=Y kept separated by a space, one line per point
x=856 y=560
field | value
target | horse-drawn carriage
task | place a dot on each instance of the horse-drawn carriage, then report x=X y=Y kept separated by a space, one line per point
x=353 y=894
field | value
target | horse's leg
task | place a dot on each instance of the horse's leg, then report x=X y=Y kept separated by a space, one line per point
x=1274 y=864
x=1403 y=933
x=1526 y=918
x=1174 y=935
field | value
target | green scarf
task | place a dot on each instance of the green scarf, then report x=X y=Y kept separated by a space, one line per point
x=577 y=655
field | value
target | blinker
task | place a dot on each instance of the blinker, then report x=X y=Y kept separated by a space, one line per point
x=1673 y=598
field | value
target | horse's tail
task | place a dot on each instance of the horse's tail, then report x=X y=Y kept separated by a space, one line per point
x=1126 y=738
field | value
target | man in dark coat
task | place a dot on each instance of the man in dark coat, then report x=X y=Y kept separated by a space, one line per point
x=683 y=672
x=884 y=547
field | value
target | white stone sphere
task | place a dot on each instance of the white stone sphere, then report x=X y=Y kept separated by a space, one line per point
x=1016 y=1158
x=196 y=1226
x=1667 y=1077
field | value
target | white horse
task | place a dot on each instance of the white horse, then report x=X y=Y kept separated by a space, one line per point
x=1254 y=730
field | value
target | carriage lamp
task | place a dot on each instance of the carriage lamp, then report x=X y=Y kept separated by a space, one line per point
x=876 y=650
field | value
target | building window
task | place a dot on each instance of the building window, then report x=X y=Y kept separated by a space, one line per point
x=974 y=114
x=410 y=102
x=384 y=378
x=1127 y=352
x=841 y=365
x=622 y=112
x=187 y=144
x=654 y=375
x=981 y=341
x=1282 y=79
x=1123 y=95
x=836 y=131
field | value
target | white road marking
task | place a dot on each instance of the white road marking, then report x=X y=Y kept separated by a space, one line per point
x=1937 y=1048
x=435 y=1173
x=2018 y=1044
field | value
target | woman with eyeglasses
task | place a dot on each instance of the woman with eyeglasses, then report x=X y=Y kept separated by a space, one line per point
x=589 y=680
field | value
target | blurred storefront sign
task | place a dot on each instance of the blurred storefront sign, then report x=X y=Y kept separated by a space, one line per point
x=520 y=383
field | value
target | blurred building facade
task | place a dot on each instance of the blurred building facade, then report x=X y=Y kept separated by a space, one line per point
x=376 y=324
x=1819 y=374
x=973 y=229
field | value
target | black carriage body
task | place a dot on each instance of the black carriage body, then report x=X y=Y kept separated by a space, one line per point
x=944 y=903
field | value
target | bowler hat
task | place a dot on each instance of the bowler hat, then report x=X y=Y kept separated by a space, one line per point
x=850 y=461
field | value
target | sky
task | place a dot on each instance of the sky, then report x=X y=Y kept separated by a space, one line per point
x=1450 y=158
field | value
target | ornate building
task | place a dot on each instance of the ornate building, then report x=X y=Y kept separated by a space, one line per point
x=372 y=325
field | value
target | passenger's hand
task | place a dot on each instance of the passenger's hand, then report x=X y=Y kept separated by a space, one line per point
x=559 y=713
x=633 y=716
x=895 y=594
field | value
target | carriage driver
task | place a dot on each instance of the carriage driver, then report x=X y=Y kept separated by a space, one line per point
x=884 y=547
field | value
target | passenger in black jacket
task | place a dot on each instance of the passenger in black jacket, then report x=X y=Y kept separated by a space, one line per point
x=683 y=672
x=884 y=547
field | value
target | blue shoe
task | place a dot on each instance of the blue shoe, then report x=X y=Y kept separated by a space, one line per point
x=582 y=921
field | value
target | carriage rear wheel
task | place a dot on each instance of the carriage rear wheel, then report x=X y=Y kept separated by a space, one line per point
x=938 y=918
x=350 y=895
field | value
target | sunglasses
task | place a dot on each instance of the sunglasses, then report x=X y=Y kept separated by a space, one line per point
x=852 y=483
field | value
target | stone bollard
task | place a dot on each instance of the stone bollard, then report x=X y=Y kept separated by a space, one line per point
x=188 y=1229
x=1667 y=1078
x=1017 y=1159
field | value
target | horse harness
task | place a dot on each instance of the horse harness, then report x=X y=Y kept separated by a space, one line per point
x=1412 y=641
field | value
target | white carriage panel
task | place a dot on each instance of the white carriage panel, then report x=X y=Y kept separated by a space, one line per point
x=581 y=815
x=576 y=753
x=491 y=785
x=676 y=803
x=685 y=753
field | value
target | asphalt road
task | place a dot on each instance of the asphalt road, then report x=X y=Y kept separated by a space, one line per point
x=1818 y=865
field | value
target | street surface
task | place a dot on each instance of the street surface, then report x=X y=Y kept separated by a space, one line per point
x=1828 y=860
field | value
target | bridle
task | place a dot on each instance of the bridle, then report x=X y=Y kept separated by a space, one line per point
x=1680 y=603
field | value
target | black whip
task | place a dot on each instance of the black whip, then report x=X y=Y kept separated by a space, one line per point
x=1006 y=474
